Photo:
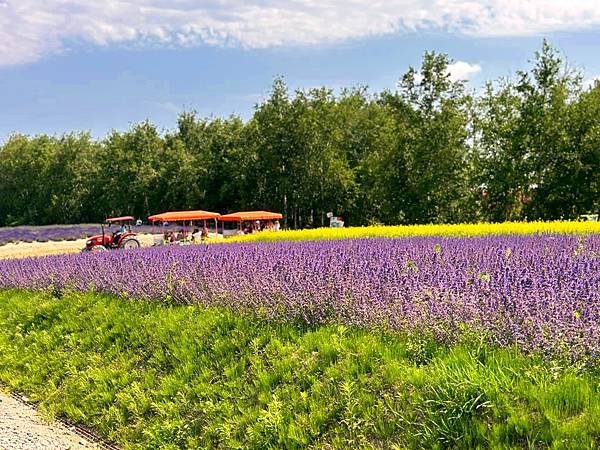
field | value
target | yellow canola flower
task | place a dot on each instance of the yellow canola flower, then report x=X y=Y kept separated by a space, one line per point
x=467 y=229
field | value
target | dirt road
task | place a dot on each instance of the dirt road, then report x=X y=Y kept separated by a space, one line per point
x=21 y=428
x=25 y=249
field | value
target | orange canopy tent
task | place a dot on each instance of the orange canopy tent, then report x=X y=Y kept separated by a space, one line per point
x=250 y=215
x=119 y=219
x=185 y=216
x=175 y=216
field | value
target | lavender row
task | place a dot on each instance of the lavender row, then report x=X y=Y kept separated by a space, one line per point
x=55 y=233
x=539 y=292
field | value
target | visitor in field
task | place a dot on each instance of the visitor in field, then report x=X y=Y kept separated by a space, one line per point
x=182 y=235
x=118 y=233
x=169 y=237
x=196 y=234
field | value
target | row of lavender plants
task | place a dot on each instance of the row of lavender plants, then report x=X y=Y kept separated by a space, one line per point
x=55 y=233
x=538 y=292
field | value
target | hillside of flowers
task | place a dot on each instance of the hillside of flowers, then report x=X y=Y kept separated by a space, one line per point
x=538 y=292
x=467 y=229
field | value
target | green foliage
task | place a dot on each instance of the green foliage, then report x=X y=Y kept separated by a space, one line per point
x=428 y=152
x=532 y=133
x=150 y=376
x=431 y=112
x=28 y=165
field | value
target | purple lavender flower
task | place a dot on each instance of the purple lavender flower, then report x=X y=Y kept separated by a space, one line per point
x=539 y=292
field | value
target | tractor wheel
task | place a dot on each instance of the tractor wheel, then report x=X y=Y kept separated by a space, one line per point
x=98 y=248
x=130 y=243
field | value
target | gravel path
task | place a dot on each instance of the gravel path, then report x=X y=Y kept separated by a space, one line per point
x=21 y=428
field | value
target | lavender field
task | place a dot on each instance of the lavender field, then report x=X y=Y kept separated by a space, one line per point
x=538 y=292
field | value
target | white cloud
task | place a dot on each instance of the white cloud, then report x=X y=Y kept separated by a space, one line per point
x=31 y=29
x=591 y=82
x=461 y=70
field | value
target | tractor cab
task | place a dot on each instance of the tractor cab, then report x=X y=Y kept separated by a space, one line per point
x=111 y=238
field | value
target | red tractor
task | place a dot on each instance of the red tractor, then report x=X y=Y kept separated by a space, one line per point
x=123 y=237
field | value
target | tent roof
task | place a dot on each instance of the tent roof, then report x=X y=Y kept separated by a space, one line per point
x=119 y=219
x=250 y=215
x=174 y=216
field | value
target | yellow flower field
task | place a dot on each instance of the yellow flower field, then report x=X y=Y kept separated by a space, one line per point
x=478 y=229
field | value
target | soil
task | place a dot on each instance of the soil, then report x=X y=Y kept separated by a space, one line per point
x=25 y=249
x=22 y=428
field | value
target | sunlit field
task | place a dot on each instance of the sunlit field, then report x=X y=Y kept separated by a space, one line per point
x=455 y=336
x=54 y=233
x=149 y=376
x=539 y=292
x=32 y=249
x=479 y=229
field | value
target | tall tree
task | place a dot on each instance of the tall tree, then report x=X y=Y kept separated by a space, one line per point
x=525 y=148
x=270 y=133
x=528 y=162
x=131 y=163
x=432 y=116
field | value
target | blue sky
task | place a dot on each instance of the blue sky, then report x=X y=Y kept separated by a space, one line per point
x=70 y=66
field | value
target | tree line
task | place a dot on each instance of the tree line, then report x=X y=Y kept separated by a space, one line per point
x=525 y=147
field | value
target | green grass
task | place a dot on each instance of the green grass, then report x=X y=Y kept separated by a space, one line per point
x=150 y=376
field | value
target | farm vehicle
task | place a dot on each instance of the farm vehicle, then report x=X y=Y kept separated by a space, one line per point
x=123 y=237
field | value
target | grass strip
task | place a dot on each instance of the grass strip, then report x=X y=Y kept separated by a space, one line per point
x=150 y=376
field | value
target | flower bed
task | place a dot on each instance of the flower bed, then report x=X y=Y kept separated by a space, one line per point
x=539 y=292
x=467 y=229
